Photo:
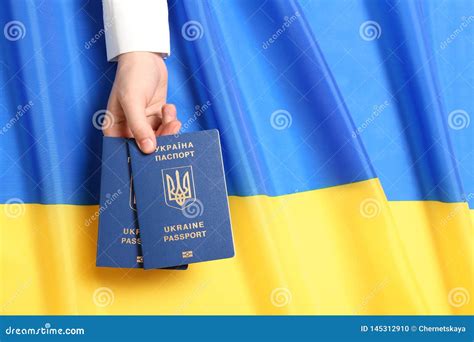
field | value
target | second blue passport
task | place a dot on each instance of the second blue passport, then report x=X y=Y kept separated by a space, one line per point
x=119 y=241
x=182 y=202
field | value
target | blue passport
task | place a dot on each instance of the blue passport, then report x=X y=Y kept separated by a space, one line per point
x=182 y=203
x=119 y=241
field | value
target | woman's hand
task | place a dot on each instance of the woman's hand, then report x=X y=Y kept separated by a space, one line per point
x=137 y=104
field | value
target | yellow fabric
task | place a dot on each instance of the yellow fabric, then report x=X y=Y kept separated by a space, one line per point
x=341 y=250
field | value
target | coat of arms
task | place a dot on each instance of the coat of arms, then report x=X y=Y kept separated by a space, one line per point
x=178 y=185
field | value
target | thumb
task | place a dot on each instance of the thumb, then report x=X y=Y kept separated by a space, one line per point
x=141 y=129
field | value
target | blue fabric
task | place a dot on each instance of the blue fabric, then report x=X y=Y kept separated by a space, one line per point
x=303 y=96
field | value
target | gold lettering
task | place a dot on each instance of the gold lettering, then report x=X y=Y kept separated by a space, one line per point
x=130 y=241
x=165 y=149
x=191 y=229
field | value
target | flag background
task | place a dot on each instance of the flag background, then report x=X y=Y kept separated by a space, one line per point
x=347 y=145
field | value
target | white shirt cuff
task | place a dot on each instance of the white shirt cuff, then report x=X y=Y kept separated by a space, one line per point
x=136 y=25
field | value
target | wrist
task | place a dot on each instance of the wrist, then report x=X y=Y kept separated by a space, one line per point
x=139 y=55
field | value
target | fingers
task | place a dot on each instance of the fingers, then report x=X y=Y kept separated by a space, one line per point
x=168 y=113
x=169 y=128
x=154 y=121
x=142 y=127
x=114 y=122
x=137 y=122
x=169 y=123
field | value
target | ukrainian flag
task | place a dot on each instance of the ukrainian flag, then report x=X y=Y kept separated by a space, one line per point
x=348 y=154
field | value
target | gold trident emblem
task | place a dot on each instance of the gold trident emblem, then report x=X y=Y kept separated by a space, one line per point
x=179 y=186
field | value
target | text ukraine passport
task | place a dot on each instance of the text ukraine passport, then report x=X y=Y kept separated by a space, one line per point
x=119 y=240
x=182 y=202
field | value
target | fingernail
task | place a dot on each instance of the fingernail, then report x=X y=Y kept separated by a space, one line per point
x=146 y=145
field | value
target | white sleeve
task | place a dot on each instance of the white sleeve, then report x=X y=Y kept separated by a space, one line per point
x=136 y=25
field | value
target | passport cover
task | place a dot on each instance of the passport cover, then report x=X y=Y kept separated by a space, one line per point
x=119 y=239
x=182 y=202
